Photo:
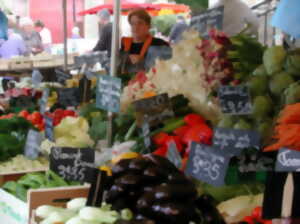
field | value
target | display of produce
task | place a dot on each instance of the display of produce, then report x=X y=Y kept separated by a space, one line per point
x=155 y=171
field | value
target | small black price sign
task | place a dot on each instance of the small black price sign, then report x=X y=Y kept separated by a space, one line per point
x=68 y=97
x=173 y=155
x=235 y=100
x=154 y=109
x=207 y=164
x=212 y=18
x=43 y=101
x=108 y=93
x=73 y=164
x=62 y=76
x=233 y=141
x=32 y=146
x=84 y=90
x=288 y=160
x=23 y=101
x=49 y=128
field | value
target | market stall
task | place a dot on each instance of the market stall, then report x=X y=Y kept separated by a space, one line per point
x=207 y=136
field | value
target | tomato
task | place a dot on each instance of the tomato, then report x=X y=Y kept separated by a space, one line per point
x=70 y=113
x=36 y=117
x=257 y=213
x=59 y=113
x=24 y=114
x=162 y=151
x=160 y=138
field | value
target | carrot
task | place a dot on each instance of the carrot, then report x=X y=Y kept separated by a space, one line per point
x=287 y=131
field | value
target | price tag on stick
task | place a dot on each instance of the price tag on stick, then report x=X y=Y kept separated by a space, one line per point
x=49 y=128
x=43 y=101
x=97 y=188
x=173 y=155
x=207 y=164
x=73 y=164
x=108 y=93
x=235 y=100
x=233 y=141
x=33 y=143
x=288 y=160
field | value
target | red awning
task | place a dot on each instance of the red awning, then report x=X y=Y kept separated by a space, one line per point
x=128 y=5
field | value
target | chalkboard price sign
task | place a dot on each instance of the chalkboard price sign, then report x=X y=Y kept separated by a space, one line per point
x=73 y=164
x=154 y=109
x=32 y=146
x=108 y=93
x=62 y=76
x=212 y=18
x=173 y=155
x=288 y=160
x=235 y=100
x=68 y=97
x=207 y=164
x=49 y=128
x=233 y=141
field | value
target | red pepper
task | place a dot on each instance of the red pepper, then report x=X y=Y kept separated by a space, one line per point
x=59 y=113
x=181 y=131
x=257 y=213
x=248 y=219
x=162 y=151
x=193 y=119
x=199 y=133
x=160 y=139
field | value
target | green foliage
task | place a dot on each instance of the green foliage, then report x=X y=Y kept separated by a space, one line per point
x=164 y=23
x=195 y=5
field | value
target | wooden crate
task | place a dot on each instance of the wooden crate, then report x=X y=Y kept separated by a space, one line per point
x=54 y=197
x=43 y=61
x=4 y=64
x=20 y=63
x=13 y=176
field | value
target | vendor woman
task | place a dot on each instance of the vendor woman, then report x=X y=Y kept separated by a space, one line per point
x=134 y=49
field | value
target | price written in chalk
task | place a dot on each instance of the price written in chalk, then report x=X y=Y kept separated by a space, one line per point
x=108 y=93
x=33 y=143
x=62 y=76
x=153 y=110
x=234 y=141
x=235 y=100
x=73 y=164
x=288 y=160
x=68 y=97
x=212 y=18
x=207 y=164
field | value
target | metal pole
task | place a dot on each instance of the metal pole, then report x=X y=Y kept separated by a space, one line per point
x=113 y=61
x=65 y=35
x=74 y=12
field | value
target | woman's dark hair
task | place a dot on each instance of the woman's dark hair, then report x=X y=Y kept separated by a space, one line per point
x=39 y=23
x=141 y=14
